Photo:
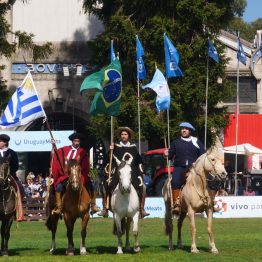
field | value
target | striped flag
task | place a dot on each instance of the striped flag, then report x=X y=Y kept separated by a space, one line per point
x=240 y=53
x=24 y=105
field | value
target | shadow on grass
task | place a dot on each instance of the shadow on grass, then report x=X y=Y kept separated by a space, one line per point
x=187 y=248
x=16 y=252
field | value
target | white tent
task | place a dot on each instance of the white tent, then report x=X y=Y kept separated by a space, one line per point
x=243 y=149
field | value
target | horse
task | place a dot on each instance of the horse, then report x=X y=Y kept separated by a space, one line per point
x=75 y=204
x=7 y=204
x=196 y=196
x=125 y=204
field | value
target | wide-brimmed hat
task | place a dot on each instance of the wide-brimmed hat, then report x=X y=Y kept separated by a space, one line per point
x=187 y=125
x=127 y=129
x=4 y=138
x=76 y=136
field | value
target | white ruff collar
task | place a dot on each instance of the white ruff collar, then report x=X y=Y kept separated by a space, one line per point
x=191 y=138
x=2 y=151
x=124 y=145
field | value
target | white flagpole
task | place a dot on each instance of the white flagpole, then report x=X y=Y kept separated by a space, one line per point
x=206 y=102
x=138 y=111
x=237 y=112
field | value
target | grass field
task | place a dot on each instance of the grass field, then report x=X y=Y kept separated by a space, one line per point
x=236 y=240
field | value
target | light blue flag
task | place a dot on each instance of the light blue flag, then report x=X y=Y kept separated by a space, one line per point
x=258 y=53
x=160 y=86
x=112 y=52
x=172 y=59
x=240 y=53
x=24 y=105
x=141 y=70
x=212 y=52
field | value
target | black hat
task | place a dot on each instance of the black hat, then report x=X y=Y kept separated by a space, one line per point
x=4 y=138
x=76 y=136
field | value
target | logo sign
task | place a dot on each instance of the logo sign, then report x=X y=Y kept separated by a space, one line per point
x=48 y=68
x=36 y=141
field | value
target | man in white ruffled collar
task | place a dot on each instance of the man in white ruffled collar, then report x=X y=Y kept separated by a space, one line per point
x=184 y=150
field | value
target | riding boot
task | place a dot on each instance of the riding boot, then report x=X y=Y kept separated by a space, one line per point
x=143 y=213
x=58 y=209
x=94 y=208
x=176 y=201
x=104 y=212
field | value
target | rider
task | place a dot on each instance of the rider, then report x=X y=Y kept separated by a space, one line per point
x=7 y=153
x=60 y=177
x=186 y=150
x=119 y=150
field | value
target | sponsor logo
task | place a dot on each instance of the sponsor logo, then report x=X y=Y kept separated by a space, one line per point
x=220 y=206
x=18 y=142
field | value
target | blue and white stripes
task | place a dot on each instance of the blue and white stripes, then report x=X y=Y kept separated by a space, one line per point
x=24 y=105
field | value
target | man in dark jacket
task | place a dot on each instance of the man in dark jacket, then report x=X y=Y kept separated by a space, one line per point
x=185 y=151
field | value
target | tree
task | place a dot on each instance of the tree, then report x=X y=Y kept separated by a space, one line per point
x=22 y=41
x=183 y=21
x=238 y=7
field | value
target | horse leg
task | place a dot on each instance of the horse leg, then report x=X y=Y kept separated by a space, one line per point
x=119 y=233
x=135 y=232
x=128 y=223
x=85 y=220
x=212 y=245
x=179 y=229
x=191 y=215
x=169 y=225
x=5 y=233
x=69 y=221
x=54 y=222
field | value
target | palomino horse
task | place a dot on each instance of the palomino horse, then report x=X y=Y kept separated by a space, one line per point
x=196 y=196
x=75 y=203
x=125 y=204
x=7 y=205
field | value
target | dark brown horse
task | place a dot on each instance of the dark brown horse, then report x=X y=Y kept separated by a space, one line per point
x=75 y=203
x=7 y=205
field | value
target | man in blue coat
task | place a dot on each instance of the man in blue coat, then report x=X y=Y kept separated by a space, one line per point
x=185 y=151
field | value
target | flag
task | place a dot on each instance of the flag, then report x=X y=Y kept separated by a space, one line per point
x=112 y=52
x=240 y=53
x=160 y=86
x=141 y=70
x=24 y=105
x=172 y=59
x=212 y=52
x=107 y=83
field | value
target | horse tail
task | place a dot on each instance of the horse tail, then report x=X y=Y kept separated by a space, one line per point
x=123 y=227
x=49 y=207
x=168 y=218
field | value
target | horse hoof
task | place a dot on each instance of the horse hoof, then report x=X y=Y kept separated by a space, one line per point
x=214 y=251
x=4 y=253
x=137 y=249
x=83 y=251
x=194 y=251
x=171 y=247
x=128 y=249
x=69 y=253
x=180 y=245
x=119 y=252
x=52 y=251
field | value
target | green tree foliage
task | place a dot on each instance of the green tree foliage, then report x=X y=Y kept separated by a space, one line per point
x=22 y=40
x=183 y=21
x=238 y=7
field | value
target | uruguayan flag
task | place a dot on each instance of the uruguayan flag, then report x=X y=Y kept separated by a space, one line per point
x=160 y=86
x=24 y=105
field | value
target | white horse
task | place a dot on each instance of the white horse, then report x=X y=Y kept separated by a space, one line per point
x=125 y=204
x=196 y=196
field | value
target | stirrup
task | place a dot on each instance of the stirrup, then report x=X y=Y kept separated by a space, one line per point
x=143 y=213
x=103 y=213
x=56 y=211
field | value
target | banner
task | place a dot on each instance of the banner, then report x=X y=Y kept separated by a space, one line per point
x=36 y=141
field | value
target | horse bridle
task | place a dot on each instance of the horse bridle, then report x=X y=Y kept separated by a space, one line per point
x=213 y=176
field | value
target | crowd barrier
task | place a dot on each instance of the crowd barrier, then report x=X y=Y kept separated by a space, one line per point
x=225 y=207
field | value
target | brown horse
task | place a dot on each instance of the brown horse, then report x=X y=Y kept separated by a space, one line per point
x=75 y=203
x=196 y=196
x=7 y=205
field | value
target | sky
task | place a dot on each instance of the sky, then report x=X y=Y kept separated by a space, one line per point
x=253 y=10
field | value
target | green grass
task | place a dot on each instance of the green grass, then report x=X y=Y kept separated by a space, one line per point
x=236 y=240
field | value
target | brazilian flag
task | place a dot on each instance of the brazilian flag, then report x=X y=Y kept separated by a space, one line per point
x=107 y=85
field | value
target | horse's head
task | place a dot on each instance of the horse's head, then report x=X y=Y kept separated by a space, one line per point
x=4 y=170
x=213 y=163
x=74 y=172
x=124 y=172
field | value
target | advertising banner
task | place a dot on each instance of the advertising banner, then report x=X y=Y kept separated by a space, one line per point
x=36 y=141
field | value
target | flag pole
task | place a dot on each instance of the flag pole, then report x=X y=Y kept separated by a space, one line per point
x=207 y=79
x=138 y=114
x=237 y=112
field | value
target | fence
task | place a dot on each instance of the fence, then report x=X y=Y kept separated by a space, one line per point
x=34 y=208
